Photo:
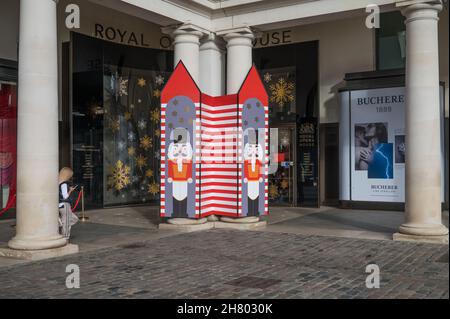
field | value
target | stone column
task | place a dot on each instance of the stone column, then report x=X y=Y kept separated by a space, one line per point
x=239 y=63
x=186 y=42
x=423 y=152
x=239 y=59
x=212 y=71
x=37 y=133
x=212 y=65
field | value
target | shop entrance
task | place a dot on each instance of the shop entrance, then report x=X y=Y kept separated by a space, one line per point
x=290 y=75
x=282 y=182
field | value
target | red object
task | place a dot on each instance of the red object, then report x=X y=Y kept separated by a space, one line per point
x=253 y=175
x=218 y=136
x=280 y=157
x=8 y=141
x=184 y=175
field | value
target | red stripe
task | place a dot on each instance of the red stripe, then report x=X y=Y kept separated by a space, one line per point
x=219 y=206
x=224 y=199
x=221 y=118
x=222 y=191
x=219 y=100
x=204 y=177
x=220 y=184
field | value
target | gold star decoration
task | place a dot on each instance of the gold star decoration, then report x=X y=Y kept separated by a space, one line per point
x=120 y=176
x=141 y=161
x=142 y=82
x=157 y=93
x=146 y=142
x=282 y=92
x=131 y=151
x=284 y=184
x=153 y=188
x=114 y=125
x=273 y=191
x=149 y=173
x=127 y=116
x=154 y=115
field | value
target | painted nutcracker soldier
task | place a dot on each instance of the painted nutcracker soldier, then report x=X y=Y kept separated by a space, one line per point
x=253 y=172
x=180 y=170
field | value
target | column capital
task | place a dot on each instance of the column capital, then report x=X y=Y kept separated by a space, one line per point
x=184 y=29
x=239 y=36
x=420 y=9
x=212 y=42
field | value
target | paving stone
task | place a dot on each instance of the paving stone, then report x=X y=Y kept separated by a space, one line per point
x=202 y=264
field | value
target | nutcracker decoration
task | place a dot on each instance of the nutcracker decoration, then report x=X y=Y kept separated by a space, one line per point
x=214 y=157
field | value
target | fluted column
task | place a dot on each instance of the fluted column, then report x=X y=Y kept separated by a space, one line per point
x=212 y=65
x=423 y=145
x=239 y=57
x=37 y=134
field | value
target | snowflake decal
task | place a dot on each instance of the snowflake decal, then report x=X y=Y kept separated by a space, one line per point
x=282 y=92
x=114 y=125
x=141 y=161
x=121 y=145
x=153 y=188
x=127 y=116
x=146 y=142
x=154 y=115
x=149 y=173
x=267 y=77
x=157 y=93
x=120 y=176
x=142 y=82
x=131 y=136
x=273 y=191
x=131 y=151
x=123 y=87
x=142 y=124
x=159 y=80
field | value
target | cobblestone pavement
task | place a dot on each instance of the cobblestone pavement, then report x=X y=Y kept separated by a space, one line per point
x=214 y=264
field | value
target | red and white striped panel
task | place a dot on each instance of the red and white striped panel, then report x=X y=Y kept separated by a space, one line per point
x=163 y=160
x=266 y=164
x=219 y=166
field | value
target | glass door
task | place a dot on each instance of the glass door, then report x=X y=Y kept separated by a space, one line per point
x=282 y=182
x=8 y=121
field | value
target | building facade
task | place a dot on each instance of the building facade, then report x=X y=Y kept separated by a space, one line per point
x=89 y=98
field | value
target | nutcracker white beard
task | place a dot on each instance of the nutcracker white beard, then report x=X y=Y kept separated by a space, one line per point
x=253 y=152
x=179 y=153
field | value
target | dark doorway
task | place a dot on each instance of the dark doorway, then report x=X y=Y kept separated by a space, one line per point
x=329 y=140
x=290 y=74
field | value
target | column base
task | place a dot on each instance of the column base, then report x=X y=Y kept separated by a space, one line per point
x=423 y=229
x=244 y=223
x=213 y=218
x=28 y=244
x=186 y=224
x=240 y=220
x=34 y=255
x=440 y=239
x=240 y=226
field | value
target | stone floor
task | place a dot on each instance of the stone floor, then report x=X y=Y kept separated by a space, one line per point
x=123 y=255
x=239 y=264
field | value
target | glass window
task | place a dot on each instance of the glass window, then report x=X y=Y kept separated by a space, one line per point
x=116 y=110
x=390 y=41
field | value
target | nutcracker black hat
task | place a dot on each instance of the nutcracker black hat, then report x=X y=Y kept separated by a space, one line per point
x=252 y=136
x=179 y=135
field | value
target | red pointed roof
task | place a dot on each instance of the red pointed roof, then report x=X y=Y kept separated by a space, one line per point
x=180 y=83
x=253 y=87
